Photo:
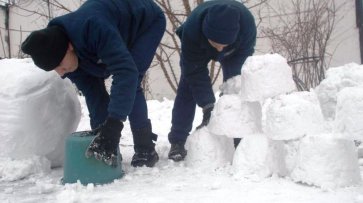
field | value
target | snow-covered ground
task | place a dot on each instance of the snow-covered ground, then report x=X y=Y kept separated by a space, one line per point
x=279 y=159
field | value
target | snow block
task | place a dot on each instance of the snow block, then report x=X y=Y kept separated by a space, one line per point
x=252 y=157
x=234 y=118
x=38 y=110
x=258 y=157
x=349 y=113
x=293 y=116
x=208 y=151
x=328 y=161
x=337 y=78
x=265 y=76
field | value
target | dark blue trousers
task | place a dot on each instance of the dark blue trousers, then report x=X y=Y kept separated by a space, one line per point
x=143 y=52
x=94 y=90
x=183 y=113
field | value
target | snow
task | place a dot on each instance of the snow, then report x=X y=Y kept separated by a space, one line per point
x=349 y=112
x=265 y=76
x=234 y=118
x=16 y=169
x=231 y=86
x=313 y=167
x=299 y=109
x=37 y=111
x=327 y=162
x=251 y=158
x=208 y=150
x=337 y=78
x=283 y=156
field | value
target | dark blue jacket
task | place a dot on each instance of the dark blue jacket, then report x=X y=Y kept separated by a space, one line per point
x=197 y=52
x=102 y=32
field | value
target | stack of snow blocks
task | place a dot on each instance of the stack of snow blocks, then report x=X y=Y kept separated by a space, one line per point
x=86 y=170
x=284 y=131
x=308 y=152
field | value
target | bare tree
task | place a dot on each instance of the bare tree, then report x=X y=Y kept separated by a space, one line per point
x=301 y=32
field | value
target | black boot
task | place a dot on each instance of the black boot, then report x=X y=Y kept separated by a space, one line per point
x=144 y=146
x=177 y=152
x=144 y=158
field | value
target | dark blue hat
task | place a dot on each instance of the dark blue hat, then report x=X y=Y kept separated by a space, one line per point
x=221 y=24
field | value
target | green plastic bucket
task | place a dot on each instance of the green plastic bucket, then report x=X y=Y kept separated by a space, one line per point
x=86 y=170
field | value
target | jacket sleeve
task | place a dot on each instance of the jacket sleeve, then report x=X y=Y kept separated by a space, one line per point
x=233 y=64
x=111 y=49
x=194 y=66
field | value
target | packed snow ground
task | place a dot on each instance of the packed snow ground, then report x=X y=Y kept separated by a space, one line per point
x=203 y=177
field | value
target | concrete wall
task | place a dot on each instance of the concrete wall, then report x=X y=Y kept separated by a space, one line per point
x=345 y=39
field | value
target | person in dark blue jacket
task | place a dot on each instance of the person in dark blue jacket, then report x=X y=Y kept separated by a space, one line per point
x=100 y=39
x=220 y=30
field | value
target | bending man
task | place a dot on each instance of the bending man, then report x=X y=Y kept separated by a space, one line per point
x=220 y=30
x=100 y=39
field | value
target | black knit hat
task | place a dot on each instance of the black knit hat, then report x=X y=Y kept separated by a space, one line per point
x=47 y=47
x=221 y=24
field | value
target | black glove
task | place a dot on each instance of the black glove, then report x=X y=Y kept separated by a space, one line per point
x=207 y=112
x=104 y=146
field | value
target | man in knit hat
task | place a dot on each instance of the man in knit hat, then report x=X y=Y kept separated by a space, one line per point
x=220 y=30
x=103 y=38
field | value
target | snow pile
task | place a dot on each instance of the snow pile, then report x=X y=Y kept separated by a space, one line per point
x=265 y=76
x=208 y=151
x=12 y=170
x=239 y=114
x=327 y=161
x=37 y=111
x=300 y=110
x=337 y=79
x=349 y=113
x=283 y=144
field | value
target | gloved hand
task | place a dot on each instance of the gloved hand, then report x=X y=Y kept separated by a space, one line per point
x=104 y=146
x=207 y=112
